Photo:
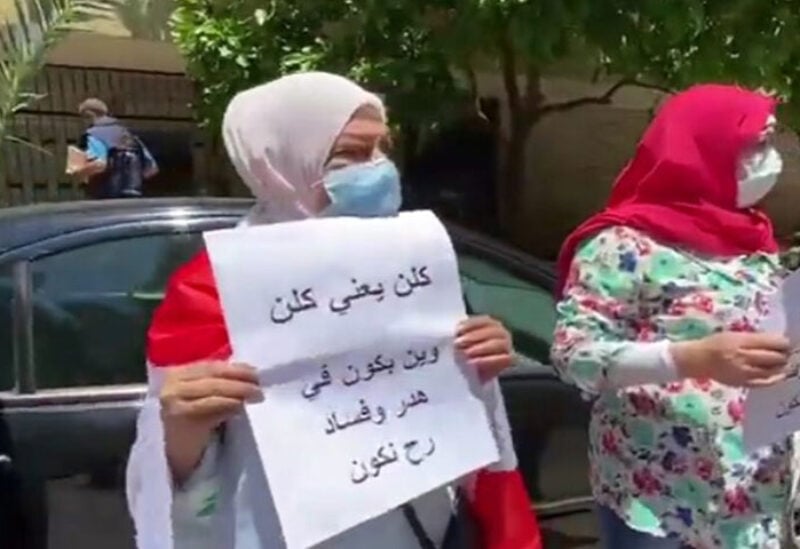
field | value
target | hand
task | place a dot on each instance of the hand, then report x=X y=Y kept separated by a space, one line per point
x=486 y=344
x=195 y=400
x=734 y=359
x=150 y=172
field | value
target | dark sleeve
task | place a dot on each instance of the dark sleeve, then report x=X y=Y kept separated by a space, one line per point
x=148 y=161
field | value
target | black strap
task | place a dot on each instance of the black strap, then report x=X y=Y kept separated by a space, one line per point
x=423 y=539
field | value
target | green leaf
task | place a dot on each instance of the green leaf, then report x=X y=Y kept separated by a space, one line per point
x=34 y=27
x=260 y=15
x=26 y=143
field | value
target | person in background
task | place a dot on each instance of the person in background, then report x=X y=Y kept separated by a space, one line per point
x=306 y=145
x=117 y=162
x=662 y=296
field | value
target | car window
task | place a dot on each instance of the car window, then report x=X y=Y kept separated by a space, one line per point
x=92 y=306
x=6 y=329
x=526 y=309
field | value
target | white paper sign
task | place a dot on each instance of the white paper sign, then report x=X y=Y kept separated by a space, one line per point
x=351 y=324
x=773 y=413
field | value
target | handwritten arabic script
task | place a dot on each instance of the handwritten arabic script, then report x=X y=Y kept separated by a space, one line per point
x=284 y=309
x=364 y=400
x=376 y=415
x=414 y=359
x=386 y=455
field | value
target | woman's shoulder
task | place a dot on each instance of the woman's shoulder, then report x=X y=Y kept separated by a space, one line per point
x=194 y=273
x=189 y=325
x=191 y=288
x=616 y=241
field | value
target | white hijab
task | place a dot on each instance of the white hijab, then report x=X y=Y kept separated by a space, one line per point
x=279 y=136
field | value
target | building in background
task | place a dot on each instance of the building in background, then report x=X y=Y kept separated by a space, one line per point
x=124 y=57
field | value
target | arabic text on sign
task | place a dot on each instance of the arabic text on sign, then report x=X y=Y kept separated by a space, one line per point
x=412 y=453
x=367 y=414
x=413 y=359
x=284 y=309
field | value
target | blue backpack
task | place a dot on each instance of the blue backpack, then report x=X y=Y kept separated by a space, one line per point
x=124 y=173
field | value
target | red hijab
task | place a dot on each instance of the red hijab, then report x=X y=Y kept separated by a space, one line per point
x=681 y=186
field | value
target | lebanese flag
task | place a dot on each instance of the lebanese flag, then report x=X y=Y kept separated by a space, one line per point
x=189 y=326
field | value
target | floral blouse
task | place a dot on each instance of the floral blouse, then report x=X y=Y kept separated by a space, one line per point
x=668 y=457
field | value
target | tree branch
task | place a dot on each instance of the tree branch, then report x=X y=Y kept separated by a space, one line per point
x=474 y=89
x=604 y=99
x=508 y=67
x=534 y=96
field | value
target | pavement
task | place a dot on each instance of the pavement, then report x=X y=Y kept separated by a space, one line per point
x=575 y=531
x=85 y=517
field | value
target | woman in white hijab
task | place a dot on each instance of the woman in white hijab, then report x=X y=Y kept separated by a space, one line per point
x=306 y=145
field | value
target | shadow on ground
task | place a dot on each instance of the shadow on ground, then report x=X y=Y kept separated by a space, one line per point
x=575 y=531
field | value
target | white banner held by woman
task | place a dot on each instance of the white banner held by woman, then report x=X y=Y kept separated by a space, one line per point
x=365 y=405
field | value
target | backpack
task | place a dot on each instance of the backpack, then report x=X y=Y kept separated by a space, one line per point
x=124 y=173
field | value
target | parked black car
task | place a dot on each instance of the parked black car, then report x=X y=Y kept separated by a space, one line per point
x=78 y=284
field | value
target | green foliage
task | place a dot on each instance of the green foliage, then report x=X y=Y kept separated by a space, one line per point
x=145 y=19
x=409 y=49
x=754 y=43
x=670 y=44
x=423 y=54
x=750 y=42
x=230 y=45
x=24 y=41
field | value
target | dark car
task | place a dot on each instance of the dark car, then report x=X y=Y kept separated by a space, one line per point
x=78 y=284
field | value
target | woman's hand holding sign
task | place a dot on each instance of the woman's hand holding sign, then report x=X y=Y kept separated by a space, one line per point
x=734 y=359
x=486 y=345
x=197 y=399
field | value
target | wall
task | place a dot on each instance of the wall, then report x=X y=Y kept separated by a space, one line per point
x=87 y=49
x=574 y=157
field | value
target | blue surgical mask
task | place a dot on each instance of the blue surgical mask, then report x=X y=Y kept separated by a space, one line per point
x=364 y=190
x=758 y=174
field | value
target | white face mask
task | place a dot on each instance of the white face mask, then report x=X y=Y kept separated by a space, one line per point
x=758 y=174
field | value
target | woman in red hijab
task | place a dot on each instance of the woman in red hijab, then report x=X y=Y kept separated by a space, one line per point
x=662 y=296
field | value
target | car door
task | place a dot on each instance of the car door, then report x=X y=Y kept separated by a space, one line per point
x=73 y=379
x=70 y=378
x=548 y=418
